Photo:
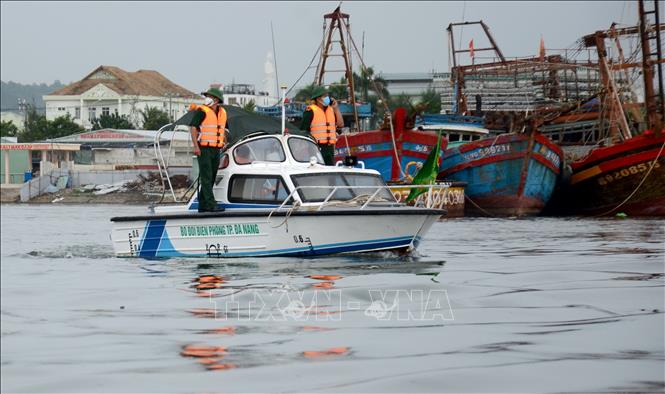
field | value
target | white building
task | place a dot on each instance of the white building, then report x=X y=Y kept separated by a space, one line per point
x=108 y=90
x=413 y=84
x=242 y=94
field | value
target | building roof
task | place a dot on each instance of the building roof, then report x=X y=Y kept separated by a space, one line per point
x=126 y=137
x=137 y=83
x=394 y=77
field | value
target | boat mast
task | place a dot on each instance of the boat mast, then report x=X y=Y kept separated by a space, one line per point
x=611 y=103
x=654 y=109
x=337 y=22
x=457 y=73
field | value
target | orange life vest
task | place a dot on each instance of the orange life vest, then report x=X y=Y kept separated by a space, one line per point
x=323 y=125
x=213 y=128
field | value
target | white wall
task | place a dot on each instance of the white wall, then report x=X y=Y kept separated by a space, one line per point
x=127 y=105
x=56 y=108
x=241 y=100
x=180 y=157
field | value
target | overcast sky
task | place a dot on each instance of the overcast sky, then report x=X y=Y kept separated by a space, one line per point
x=198 y=43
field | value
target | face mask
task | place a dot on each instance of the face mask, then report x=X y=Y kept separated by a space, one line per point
x=209 y=101
x=326 y=101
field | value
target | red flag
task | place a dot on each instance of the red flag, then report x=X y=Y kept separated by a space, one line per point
x=471 y=48
x=541 y=52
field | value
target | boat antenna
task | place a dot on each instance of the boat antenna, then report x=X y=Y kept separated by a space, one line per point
x=283 y=87
x=274 y=55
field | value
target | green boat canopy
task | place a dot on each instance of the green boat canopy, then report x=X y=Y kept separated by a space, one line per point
x=242 y=123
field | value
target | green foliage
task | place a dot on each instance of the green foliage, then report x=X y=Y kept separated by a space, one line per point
x=154 y=118
x=112 y=121
x=10 y=92
x=8 y=129
x=401 y=100
x=37 y=128
x=62 y=126
x=340 y=91
x=249 y=107
x=366 y=81
x=430 y=102
x=304 y=94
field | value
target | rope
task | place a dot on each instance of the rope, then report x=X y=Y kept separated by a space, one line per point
x=385 y=106
x=303 y=73
x=296 y=205
x=348 y=148
x=357 y=200
x=478 y=206
x=653 y=164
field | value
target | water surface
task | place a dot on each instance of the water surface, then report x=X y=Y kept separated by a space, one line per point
x=486 y=305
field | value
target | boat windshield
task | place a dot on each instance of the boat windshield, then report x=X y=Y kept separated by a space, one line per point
x=325 y=183
x=302 y=150
x=262 y=149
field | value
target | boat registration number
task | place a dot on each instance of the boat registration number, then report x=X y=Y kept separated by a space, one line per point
x=489 y=151
x=626 y=172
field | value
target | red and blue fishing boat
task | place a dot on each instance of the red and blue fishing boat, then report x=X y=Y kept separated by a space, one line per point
x=508 y=175
x=395 y=158
x=628 y=177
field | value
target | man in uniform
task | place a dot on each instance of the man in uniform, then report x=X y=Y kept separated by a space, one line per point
x=322 y=119
x=208 y=130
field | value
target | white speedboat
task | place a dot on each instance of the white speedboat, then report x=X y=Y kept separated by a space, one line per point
x=279 y=200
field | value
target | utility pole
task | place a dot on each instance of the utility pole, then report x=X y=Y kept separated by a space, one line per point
x=23 y=107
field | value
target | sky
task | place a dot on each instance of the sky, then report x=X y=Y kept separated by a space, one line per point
x=195 y=44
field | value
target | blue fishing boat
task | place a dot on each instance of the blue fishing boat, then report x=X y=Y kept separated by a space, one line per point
x=508 y=175
x=397 y=154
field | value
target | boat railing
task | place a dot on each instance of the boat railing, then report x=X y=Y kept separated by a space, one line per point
x=162 y=163
x=359 y=200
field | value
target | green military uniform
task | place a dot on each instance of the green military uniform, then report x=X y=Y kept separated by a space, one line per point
x=208 y=165
x=208 y=161
x=327 y=150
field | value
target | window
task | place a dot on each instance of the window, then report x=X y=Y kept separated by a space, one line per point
x=302 y=150
x=92 y=113
x=258 y=189
x=340 y=179
x=264 y=149
x=115 y=111
x=61 y=108
x=224 y=162
x=106 y=111
x=453 y=137
x=77 y=113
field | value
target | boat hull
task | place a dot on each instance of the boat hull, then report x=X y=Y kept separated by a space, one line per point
x=450 y=198
x=628 y=177
x=375 y=148
x=243 y=234
x=509 y=175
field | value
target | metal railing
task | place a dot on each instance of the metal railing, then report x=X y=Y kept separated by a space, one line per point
x=357 y=200
x=162 y=164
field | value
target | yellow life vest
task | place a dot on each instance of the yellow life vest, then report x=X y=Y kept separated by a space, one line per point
x=323 y=125
x=213 y=128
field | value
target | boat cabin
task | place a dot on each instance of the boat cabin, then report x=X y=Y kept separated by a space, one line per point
x=457 y=134
x=267 y=170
